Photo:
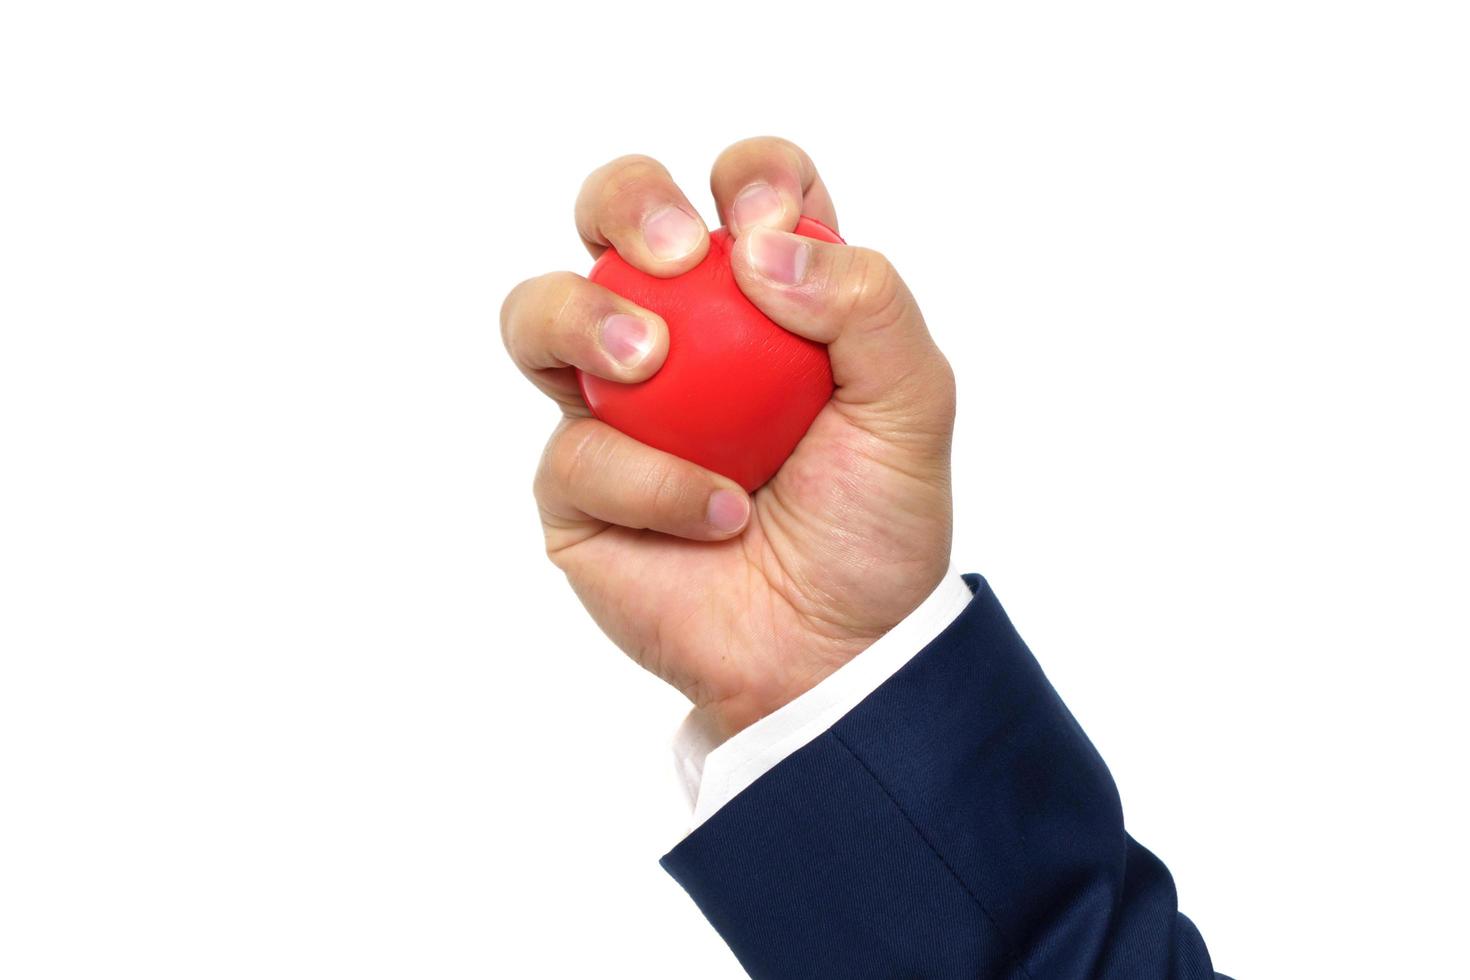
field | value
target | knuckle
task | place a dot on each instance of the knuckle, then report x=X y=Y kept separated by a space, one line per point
x=872 y=289
x=930 y=389
x=763 y=146
x=945 y=388
x=666 y=489
x=611 y=179
x=794 y=155
x=630 y=173
x=947 y=375
x=533 y=309
x=560 y=291
x=541 y=483
x=511 y=304
x=640 y=162
x=568 y=455
x=768 y=158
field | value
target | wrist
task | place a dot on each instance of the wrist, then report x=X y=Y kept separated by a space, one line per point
x=717 y=759
x=791 y=653
x=771 y=691
x=783 y=679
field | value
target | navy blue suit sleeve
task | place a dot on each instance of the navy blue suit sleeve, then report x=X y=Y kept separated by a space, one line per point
x=956 y=823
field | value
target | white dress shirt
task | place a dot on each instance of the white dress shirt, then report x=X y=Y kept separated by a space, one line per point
x=712 y=773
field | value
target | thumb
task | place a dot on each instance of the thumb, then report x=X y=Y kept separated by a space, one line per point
x=891 y=377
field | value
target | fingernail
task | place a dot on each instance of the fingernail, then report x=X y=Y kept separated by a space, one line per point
x=627 y=339
x=671 y=232
x=728 y=510
x=778 y=256
x=758 y=204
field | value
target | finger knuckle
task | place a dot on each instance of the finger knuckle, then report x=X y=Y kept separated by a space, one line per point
x=760 y=146
x=610 y=180
x=636 y=162
x=629 y=174
x=541 y=483
x=748 y=145
x=533 y=309
x=945 y=388
x=559 y=293
x=569 y=454
x=510 y=304
x=929 y=392
x=666 y=488
x=872 y=290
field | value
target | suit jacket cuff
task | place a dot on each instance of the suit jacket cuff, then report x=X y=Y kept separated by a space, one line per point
x=713 y=773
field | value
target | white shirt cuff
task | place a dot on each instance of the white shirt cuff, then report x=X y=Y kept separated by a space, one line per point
x=713 y=773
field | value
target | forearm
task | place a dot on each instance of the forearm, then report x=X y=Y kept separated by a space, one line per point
x=955 y=823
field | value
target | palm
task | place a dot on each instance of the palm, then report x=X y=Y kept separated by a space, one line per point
x=845 y=540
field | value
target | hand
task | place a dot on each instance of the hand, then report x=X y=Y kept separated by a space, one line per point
x=742 y=602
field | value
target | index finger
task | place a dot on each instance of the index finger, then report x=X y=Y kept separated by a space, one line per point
x=633 y=205
x=771 y=182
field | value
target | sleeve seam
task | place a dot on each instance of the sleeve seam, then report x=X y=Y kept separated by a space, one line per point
x=1015 y=957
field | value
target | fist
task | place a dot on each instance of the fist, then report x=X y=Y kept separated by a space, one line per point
x=741 y=601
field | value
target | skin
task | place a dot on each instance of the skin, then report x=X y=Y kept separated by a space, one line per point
x=740 y=602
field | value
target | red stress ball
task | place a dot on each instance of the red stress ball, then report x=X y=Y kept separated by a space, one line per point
x=737 y=392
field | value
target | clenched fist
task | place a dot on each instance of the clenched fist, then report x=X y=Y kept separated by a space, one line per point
x=742 y=602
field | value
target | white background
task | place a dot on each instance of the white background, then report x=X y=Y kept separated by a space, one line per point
x=287 y=688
